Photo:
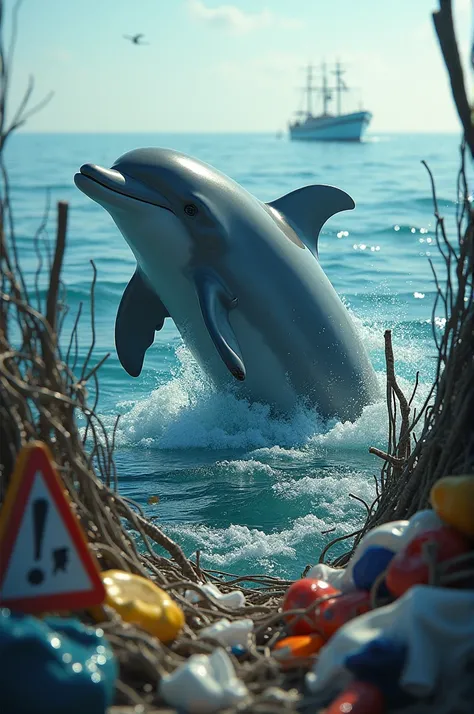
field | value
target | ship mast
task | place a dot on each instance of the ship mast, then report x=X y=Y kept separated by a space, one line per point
x=326 y=93
x=340 y=85
x=324 y=88
x=309 y=90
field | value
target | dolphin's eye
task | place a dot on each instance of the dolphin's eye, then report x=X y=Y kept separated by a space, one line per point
x=190 y=209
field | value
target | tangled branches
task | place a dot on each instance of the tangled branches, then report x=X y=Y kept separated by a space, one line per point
x=446 y=443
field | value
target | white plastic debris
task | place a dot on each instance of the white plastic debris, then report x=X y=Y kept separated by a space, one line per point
x=333 y=576
x=421 y=522
x=229 y=633
x=436 y=624
x=203 y=684
x=275 y=694
x=394 y=536
x=233 y=600
x=389 y=535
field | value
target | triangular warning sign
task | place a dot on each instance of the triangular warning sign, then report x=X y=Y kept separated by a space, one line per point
x=45 y=561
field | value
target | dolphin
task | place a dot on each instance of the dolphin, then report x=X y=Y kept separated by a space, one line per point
x=240 y=278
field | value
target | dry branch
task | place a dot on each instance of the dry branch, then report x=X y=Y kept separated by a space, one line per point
x=57 y=264
x=444 y=26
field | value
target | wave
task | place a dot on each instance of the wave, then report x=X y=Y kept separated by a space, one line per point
x=282 y=551
x=187 y=412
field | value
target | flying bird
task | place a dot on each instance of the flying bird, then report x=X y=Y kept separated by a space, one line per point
x=136 y=39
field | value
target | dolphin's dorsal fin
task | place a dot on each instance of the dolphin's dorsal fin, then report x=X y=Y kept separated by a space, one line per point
x=140 y=313
x=307 y=210
x=216 y=300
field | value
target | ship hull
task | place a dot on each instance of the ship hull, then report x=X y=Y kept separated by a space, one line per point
x=347 y=127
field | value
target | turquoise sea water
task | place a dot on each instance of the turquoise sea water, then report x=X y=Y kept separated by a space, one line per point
x=251 y=492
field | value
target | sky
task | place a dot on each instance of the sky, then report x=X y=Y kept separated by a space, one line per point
x=236 y=66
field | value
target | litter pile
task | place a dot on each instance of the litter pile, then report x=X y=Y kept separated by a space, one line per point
x=393 y=631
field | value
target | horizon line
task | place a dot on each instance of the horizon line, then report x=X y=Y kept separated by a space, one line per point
x=450 y=132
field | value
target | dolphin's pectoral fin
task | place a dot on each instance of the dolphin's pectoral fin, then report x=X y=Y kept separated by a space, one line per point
x=307 y=210
x=140 y=313
x=216 y=301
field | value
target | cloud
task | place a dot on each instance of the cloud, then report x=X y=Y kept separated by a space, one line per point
x=233 y=18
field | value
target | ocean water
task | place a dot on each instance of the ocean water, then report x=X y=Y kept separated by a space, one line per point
x=253 y=493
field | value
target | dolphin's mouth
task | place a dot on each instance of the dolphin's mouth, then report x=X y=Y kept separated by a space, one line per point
x=118 y=182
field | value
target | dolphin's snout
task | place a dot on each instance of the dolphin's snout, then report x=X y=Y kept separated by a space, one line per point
x=120 y=183
x=107 y=177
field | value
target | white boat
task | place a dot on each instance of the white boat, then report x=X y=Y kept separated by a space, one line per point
x=328 y=126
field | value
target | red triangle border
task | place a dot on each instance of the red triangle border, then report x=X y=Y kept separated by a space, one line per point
x=37 y=459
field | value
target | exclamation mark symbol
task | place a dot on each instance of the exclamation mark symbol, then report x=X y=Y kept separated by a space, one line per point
x=40 y=512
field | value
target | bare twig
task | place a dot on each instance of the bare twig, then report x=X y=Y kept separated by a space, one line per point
x=51 y=304
x=394 y=460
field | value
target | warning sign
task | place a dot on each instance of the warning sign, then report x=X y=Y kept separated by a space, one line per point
x=45 y=562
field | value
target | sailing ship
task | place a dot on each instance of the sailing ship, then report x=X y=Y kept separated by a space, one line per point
x=328 y=126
